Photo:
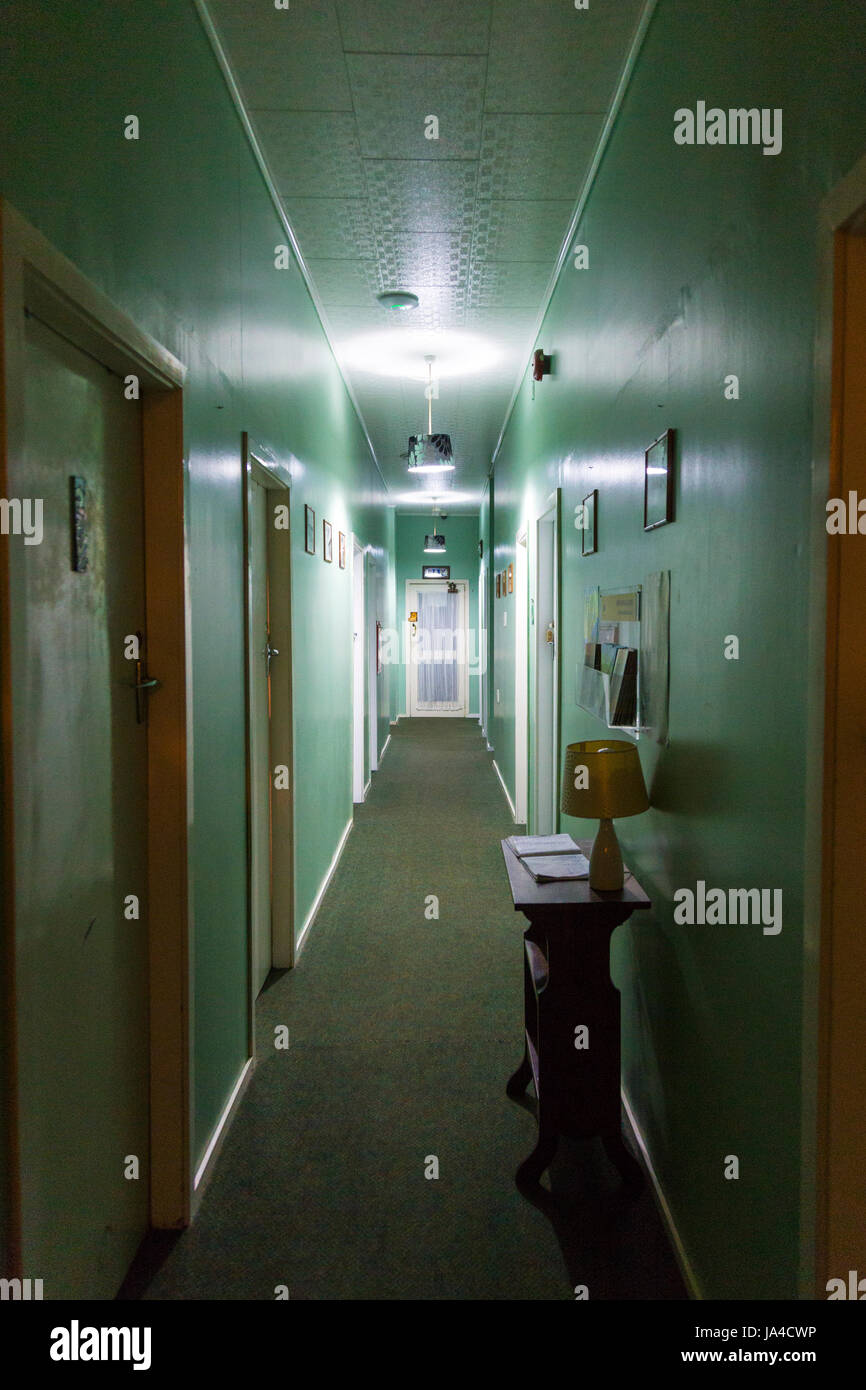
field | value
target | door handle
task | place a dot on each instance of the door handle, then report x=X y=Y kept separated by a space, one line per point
x=269 y=653
x=142 y=684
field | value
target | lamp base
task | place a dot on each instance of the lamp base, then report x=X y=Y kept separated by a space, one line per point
x=605 y=865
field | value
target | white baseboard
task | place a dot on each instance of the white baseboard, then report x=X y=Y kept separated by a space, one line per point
x=222 y=1126
x=685 y=1264
x=505 y=789
x=384 y=749
x=323 y=887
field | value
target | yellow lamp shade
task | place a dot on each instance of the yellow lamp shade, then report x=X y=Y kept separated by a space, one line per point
x=603 y=778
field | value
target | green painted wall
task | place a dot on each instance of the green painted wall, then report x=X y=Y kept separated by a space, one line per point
x=461 y=539
x=177 y=228
x=703 y=263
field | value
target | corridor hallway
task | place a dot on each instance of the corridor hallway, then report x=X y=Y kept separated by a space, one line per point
x=403 y=1032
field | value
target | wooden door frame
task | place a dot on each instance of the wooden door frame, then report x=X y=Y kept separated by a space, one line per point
x=522 y=655
x=359 y=707
x=551 y=516
x=37 y=278
x=258 y=462
x=843 y=206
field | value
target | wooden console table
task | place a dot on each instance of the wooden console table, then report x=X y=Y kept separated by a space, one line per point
x=567 y=986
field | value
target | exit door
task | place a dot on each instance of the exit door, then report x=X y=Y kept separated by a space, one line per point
x=437 y=672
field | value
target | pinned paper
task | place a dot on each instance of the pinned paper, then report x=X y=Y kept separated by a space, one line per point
x=620 y=608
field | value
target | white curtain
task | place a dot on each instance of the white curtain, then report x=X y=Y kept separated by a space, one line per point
x=438 y=674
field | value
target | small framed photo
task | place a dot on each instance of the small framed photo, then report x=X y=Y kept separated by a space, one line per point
x=327 y=542
x=310 y=530
x=589 y=533
x=658 y=482
x=511 y=579
x=341 y=548
x=498 y=585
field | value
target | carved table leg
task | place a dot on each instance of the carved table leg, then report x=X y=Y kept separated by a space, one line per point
x=518 y=1083
x=629 y=1168
x=531 y=1168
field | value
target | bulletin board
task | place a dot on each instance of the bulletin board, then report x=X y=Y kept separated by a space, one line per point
x=622 y=671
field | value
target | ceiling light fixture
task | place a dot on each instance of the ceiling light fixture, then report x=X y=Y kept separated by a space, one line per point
x=435 y=544
x=398 y=299
x=430 y=453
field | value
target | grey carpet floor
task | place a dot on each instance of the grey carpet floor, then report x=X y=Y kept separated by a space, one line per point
x=403 y=1031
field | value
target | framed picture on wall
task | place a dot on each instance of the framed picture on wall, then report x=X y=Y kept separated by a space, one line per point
x=341 y=548
x=589 y=533
x=511 y=579
x=658 y=482
x=498 y=585
x=327 y=542
x=310 y=530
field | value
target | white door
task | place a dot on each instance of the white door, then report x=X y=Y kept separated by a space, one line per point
x=521 y=679
x=546 y=683
x=80 y=849
x=371 y=614
x=260 y=736
x=482 y=646
x=359 y=627
x=437 y=671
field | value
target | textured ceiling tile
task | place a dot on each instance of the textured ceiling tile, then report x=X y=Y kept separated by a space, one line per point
x=377 y=206
x=394 y=96
x=564 y=59
x=507 y=283
x=422 y=195
x=520 y=230
x=400 y=26
x=350 y=322
x=425 y=258
x=354 y=283
x=536 y=157
x=312 y=153
x=285 y=59
x=332 y=228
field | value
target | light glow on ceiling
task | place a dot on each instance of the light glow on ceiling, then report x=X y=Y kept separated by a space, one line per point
x=403 y=352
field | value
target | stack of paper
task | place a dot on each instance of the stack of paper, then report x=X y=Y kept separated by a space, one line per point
x=550 y=858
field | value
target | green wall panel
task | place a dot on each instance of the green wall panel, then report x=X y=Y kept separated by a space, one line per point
x=178 y=229
x=703 y=263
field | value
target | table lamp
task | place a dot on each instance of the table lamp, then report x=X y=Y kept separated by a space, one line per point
x=603 y=777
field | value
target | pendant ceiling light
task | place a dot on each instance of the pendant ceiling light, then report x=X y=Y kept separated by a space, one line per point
x=430 y=453
x=435 y=544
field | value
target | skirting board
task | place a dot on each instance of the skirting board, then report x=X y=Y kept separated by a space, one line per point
x=323 y=888
x=661 y=1201
x=384 y=749
x=205 y=1168
x=505 y=789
